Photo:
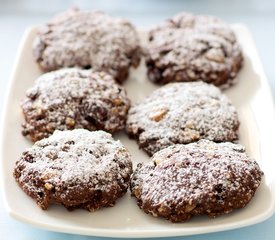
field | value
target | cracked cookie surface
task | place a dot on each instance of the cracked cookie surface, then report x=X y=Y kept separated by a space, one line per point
x=190 y=48
x=88 y=39
x=72 y=98
x=182 y=113
x=202 y=178
x=77 y=168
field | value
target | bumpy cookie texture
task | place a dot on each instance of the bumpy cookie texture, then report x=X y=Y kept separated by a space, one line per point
x=189 y=48
x=182 y=113
x=203 y=178
x=88 y=39
x=71 y=98
x=78 y=169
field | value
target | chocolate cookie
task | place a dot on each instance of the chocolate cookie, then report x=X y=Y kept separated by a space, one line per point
x=189 y=48
x=88 y=39
x=78 y=169
x=73 y=98
x=203 y=178
x=182 y=113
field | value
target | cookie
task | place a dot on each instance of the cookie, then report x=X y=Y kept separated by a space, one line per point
x=202 y=178
x=88 y=39
x=182 y=113
x=72 y=98
x=190 y=48
x=77 y=168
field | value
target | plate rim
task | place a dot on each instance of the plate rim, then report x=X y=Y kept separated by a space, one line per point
x=124 y=233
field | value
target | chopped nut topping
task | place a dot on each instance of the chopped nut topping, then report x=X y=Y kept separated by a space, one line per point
x=70 y=122
x=159 y=115
x=48 y=186
x=189 y=208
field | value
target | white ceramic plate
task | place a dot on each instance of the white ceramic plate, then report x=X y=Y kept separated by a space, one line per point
x=253 y=100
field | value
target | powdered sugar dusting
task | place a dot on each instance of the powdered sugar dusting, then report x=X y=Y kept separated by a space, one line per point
x=88 y=39
x=73 y=98
x=74 y=161
x=191 y=48
x=198 y=178
x=182 y=113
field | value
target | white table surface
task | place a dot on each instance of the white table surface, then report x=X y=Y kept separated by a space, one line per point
x=16 y=15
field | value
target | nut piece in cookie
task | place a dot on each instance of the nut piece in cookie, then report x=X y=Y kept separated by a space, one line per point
x=77 y=168
x=190 y=48
x=182 y=113
x=202 y=178
x=73 y=98
x=88 y=39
